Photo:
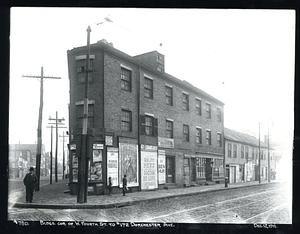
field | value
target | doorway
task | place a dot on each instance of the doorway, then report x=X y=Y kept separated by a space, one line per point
x=170 y=170
x=193 y=169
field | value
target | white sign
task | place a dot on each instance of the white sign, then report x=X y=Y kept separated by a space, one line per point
x=148 y=170
x=161 y=167
x=112 y=165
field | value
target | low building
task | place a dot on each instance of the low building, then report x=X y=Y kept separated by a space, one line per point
x=242 y=157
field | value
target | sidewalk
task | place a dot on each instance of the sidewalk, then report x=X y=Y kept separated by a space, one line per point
x=52 y=196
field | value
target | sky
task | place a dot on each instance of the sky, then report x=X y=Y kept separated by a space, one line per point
x=245 y=58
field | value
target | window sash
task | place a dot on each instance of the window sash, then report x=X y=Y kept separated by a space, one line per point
x=125 y=79
x=208 y=138
x=208 y=111
x=148 y=125
x=126 y=121
x=198 y=107
x=169 y=129
x=186 y=132
x=198 y=136
x=185 y=100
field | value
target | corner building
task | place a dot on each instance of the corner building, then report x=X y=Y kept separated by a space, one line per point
x=158 y=130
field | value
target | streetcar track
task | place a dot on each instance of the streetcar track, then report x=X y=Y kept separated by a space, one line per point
x=214 y=204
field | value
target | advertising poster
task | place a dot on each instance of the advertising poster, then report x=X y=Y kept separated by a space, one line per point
x=128 y=164
x=148 y=170
x=97 y=155
x=112 y=165
x=161 y=167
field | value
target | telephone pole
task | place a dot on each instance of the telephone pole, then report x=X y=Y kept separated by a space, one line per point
x=57 y=121
x=39 y=129
x=63 y=136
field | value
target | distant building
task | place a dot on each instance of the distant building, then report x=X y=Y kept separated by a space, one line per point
x=242 y=157
x=22 y=157
x=157 y=129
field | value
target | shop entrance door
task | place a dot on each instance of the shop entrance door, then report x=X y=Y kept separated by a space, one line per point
x=208 y=169
x=193 y=169
x=170 y=172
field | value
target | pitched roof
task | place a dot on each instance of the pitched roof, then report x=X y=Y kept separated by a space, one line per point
x=242 y=138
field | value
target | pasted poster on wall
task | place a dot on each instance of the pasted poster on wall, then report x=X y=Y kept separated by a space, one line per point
x=112 y=165
x=128 y=164
x=97 y=155
x=161 y=167
x=148 y=170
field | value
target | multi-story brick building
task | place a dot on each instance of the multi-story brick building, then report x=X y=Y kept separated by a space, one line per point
x=242 y=157
x=156 y=129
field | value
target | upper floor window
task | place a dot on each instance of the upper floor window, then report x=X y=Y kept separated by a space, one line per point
x=169 y=95
x=208 y=137
x=247 y=152
x=208 y=111
x=242 y=151
x=185 y=101
x=79 y=109
x=148 y=87
x=219 y=114
x=235 y=151
x=219 y=139
x=126 y=121
x=186 y=133
x=125 y=79
x=229 y=150
x=198 y=107
x=81 y=70
x=148 y=125
x=169 y=129
x=198 y=135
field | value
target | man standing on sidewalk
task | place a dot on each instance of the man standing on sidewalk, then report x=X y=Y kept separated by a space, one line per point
x=30 y=181
x=124 y=185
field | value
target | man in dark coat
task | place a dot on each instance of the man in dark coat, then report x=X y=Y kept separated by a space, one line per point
x=124 y=185
x=30 y=181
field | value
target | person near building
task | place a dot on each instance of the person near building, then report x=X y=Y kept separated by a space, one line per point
x=124 y=185
x=30 y=181
x=109 y=186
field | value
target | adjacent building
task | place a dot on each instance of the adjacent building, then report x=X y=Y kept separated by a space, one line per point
x=158 y=130
x=242 y=157
x=22 y=157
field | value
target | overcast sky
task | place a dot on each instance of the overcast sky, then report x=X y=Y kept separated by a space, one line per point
x=245 y=58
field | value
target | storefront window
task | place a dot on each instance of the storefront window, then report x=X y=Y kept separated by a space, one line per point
x=218 y=168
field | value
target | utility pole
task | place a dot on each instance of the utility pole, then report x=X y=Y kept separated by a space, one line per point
x=57 y=120
x=39 y=129
x=84 y=141
x=63 y=136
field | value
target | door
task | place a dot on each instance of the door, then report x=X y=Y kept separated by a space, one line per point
x=193 y=169
x=208 y=169
x=232 y=174
x=170 y=172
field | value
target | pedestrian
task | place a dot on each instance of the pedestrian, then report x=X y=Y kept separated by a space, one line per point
x=109 y=186
x=30 y=181
x=124 y=185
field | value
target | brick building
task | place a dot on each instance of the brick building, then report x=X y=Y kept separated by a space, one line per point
x=242 y=157
x=158 y=130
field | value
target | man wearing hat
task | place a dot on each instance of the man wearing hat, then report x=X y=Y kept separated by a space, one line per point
x=30 y=181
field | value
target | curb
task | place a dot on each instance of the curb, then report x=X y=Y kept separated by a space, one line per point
x=121 y=204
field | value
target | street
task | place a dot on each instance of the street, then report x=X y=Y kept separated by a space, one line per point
x=268 y=203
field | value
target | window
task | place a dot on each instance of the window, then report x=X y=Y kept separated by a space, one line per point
x=79 y=109
x=200 y=167
x=126 y=121
x=198 y=135
x=247 y=152
x=229 y=150
x=148 y=87
x=169 y=95
x=198 y=107
x=148 y=125
x=125 y=79
x=219 y=139
x=218 y=168
x=252 y=153
x=208 y=111
x=185 y=132
x=218 y=114
x=208 y=137
x=185 y=101
x=186 y=165
x=242 y=151
x=81 y=70
x=234 y=151
x=169 y=129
